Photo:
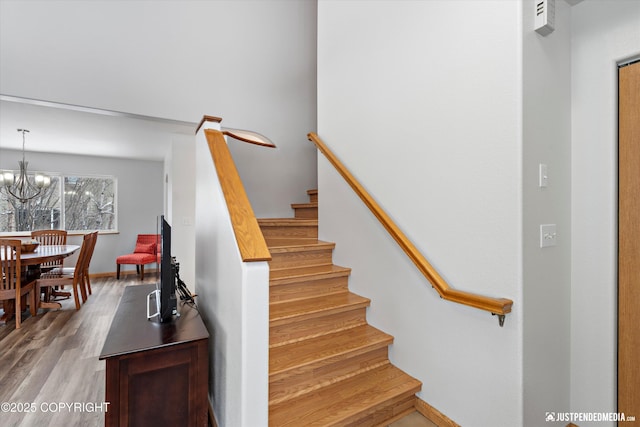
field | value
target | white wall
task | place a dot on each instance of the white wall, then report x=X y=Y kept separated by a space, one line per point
x=546 y=271
x=604 y=32
x=424 y=108
x=180 y=190
x=423 y=103
x=139 y=199
x=250 y=62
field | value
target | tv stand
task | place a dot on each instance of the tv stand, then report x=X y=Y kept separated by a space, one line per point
x=157 y=373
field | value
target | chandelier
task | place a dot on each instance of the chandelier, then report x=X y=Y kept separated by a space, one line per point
x=19 y=186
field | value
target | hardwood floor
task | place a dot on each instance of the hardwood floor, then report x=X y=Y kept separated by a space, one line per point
x=53 y=360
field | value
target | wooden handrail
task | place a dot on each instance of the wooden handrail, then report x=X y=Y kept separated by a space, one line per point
x=245 y=225
x=497 y=306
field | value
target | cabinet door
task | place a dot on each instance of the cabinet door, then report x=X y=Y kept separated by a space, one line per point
x=159 y=388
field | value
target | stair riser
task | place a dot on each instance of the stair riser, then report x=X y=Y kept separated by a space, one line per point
x=293 y=330
x=313 y=197
x=300 y=259
x=305 y=210
x=385 y=415
x=306 y=213
x=305 y=379
x=289 y=231
x=307 y=289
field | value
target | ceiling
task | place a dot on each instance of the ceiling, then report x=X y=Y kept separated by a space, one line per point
x=59 y=128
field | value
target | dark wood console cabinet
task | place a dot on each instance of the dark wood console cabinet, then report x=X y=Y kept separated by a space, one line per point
x=157 y=373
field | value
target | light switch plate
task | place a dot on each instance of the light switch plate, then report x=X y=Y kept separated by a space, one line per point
x=548 y=235
x=543 y=178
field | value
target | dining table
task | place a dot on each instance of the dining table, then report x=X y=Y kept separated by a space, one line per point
x=30 y=262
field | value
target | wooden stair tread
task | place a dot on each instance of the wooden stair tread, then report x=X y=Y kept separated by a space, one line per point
x=297 y=252
x=304 y=205
x=279 y=245
x=345 y=401
x=312 y=306
x=325 y=347
x=287 y=221
x=289 y=227
x=308 y=273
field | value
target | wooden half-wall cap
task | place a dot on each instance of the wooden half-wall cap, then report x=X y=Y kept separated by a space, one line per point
x=249 y=237
x=206 y=118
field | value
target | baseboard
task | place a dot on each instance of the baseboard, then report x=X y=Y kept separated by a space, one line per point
x=101 y=275
x=433 y=415
x=441 y=420
x=212 y=416
x=122 y=273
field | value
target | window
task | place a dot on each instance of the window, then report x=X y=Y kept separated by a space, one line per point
x=38 y=213
x=71 y=202
x=89 y=203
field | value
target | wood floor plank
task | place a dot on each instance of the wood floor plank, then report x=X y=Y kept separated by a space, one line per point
x=53 y=358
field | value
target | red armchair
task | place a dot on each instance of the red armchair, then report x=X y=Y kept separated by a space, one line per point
x=147 y=251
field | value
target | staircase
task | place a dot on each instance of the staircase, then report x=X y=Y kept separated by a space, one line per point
x=327 y=366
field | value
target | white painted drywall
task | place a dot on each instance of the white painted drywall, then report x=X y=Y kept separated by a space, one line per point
x=422 y=101
x=546 y=271
x=180 y=190
x=604 y=32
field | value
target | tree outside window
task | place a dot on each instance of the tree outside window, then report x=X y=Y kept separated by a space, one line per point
x=89 y=203
x=41 y=212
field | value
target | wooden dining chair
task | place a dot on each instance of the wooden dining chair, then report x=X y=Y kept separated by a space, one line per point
x=69 y=271
x=12 y=286
x=50 y=237
x=92 y=245
x=70 y=276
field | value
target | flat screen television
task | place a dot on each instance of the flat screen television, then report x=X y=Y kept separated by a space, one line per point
x=165 y=293
x=168 y=301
